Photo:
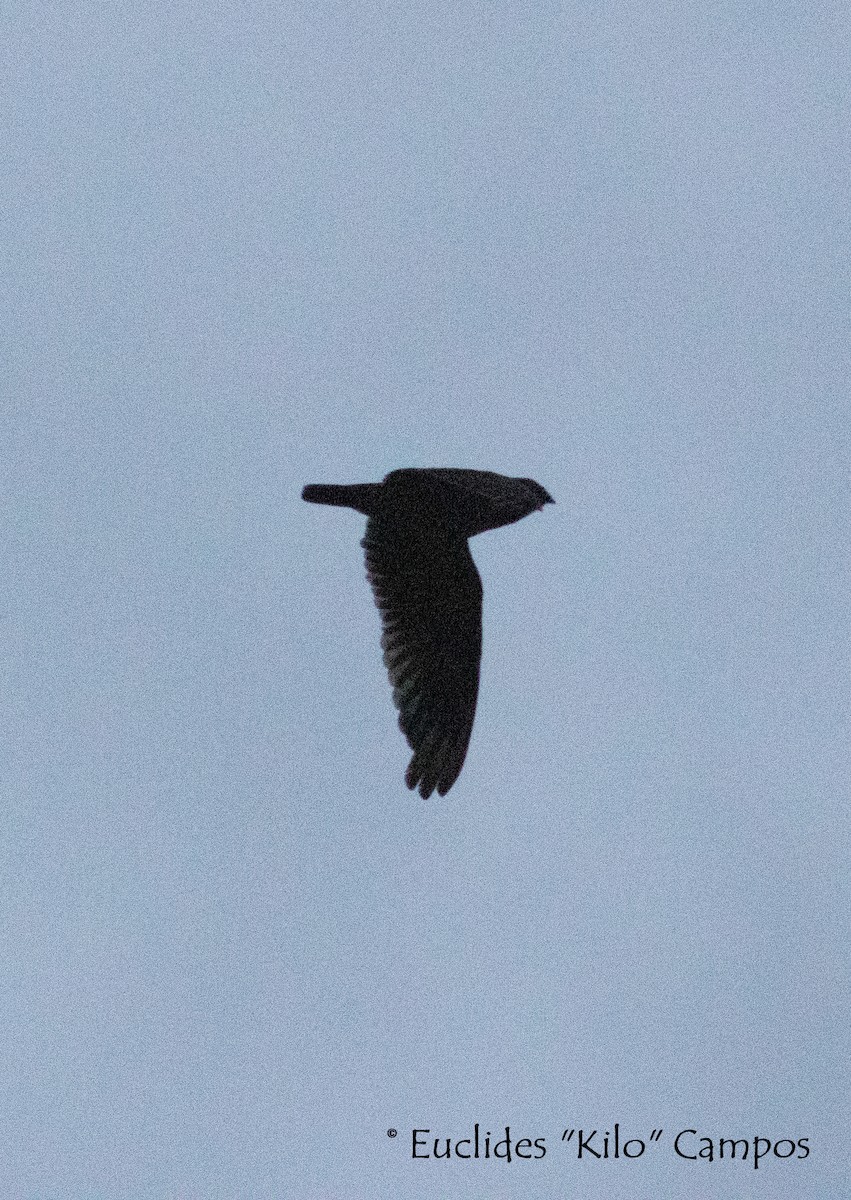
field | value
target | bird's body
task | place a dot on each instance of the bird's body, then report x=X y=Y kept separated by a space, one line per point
x=429 y=594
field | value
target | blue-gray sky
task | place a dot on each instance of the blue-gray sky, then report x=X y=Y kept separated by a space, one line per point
x=252 y=246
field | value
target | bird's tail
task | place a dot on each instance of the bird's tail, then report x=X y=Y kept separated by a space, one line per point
x=360 y=496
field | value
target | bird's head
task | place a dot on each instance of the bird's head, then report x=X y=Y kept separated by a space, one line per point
x=539 y=495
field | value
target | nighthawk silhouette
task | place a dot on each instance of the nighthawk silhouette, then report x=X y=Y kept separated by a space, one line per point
x=429 y=594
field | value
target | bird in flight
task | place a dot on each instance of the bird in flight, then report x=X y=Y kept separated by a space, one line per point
x=429 y=594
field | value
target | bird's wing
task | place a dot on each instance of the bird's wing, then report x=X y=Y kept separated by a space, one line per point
x=429 y=593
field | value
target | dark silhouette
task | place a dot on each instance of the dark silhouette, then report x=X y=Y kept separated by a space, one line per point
x=430 y=596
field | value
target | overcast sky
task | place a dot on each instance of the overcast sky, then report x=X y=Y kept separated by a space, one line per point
x=249 y=246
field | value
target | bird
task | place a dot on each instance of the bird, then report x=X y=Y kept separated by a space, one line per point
x=429 y=595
